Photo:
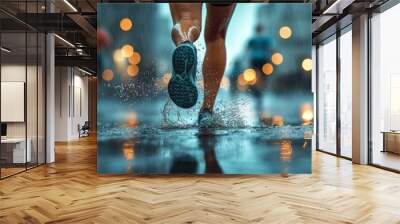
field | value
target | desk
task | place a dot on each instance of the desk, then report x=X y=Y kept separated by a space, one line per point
x=16 y=147
x=391 y=141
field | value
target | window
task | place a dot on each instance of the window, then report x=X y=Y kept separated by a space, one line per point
x=346 y=94
x=385 y=89
x=327 y=96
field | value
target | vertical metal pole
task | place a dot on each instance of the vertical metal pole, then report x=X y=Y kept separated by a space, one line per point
x=369 y=79
x=37 y=87
x=338 y=77
x=1 y=164
x=26 y=86
x=317 y=96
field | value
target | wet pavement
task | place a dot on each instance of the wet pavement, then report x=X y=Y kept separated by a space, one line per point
x=253 y=150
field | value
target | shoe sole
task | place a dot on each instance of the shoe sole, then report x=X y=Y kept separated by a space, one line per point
x=181 y=90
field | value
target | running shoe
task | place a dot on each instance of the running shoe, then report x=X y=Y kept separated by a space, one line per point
x=205 y=118
x=182 y=86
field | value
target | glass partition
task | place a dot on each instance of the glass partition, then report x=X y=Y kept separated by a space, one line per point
x=14 y=153
x=22 y=90
x=31 y=100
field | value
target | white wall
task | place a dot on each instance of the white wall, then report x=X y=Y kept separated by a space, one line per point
x=71 y=94
x=16 y=73
x=33 y=127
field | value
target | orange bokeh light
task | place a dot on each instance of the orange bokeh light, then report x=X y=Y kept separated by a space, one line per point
x=277 y=58
x=125 y=24
x=127 y=50
x=249 y=75
x=107 y=75
x=307 y=64
x=132 y=70
x=285 y=32
x=118 y=57
x=135 y=58
x=307 y=114
x=268 y=68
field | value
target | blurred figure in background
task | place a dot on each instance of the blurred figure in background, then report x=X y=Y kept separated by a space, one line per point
x=259 y=50
x=186 y=30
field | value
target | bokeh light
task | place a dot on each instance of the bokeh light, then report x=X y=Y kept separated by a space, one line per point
x=268 y=68
x=285 y=32
x=249 y=75
x=125 y=24
x=132 y=70
x=127 y=50
x=107 y=75
x=241 y=83
x=118 y=57
x=135 y=58
x=277 y=58
x=307 y=64
x=307 y=114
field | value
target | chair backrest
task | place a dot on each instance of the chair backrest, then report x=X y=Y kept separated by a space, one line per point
x=86 y=125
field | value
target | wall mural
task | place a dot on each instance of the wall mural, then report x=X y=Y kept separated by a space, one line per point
x=191 y=88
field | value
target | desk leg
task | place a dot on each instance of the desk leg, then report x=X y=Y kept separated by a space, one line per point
x=384 y=143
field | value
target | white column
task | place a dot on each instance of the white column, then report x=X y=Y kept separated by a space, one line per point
x=50 y=92
x=360 y=90
x=50 y=100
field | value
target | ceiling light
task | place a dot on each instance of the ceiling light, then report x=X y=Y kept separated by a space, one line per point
x=84 y=71
x=5 y=50
x=337 y=7
x=65 y=41
x=70 y=5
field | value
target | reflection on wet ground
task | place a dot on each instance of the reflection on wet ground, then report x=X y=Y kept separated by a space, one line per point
x=257 y=150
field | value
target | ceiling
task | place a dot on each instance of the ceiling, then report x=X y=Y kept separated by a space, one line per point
x=75 y=21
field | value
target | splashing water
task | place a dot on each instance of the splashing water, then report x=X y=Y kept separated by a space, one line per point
x=236 y=113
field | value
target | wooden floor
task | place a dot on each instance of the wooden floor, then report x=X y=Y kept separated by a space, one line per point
x=70 y=191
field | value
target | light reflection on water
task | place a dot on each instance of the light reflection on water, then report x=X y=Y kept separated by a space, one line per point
x=151 y=150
